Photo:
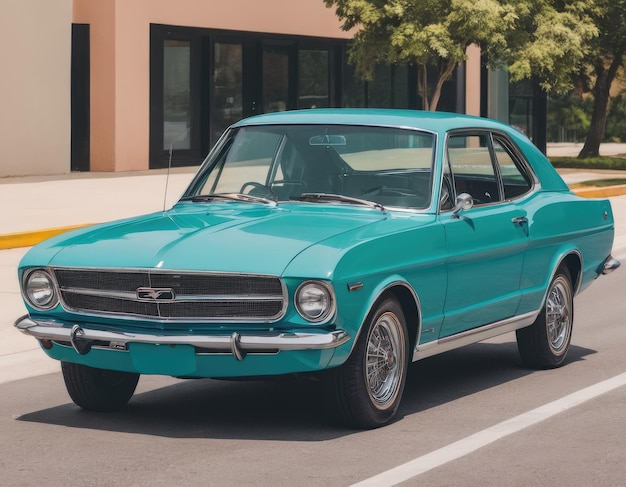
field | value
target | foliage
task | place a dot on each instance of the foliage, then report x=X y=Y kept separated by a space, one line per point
x=617 y=163
x=422 y=32
x=604 y=61
x=601 y=183
x=550 y=41
x=544 y=38
x=616 y=119
x=568 y=113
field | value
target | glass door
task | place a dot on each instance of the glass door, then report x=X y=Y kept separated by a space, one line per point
x=176 y=97
x=177 y=116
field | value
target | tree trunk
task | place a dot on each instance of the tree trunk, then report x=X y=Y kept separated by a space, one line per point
x=430 y=103
x=601 y=94
x=444 y=75
x=423 y=87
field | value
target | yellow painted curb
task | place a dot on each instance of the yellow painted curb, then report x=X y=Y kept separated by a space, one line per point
x=28 y=239
x=597 y=192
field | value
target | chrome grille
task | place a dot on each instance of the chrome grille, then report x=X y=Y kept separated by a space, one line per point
x=171 y=295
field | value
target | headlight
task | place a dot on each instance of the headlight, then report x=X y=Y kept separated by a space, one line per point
x=39 y=290
x=314 y=301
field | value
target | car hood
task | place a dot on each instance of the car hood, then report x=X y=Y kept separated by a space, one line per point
x=222 y=237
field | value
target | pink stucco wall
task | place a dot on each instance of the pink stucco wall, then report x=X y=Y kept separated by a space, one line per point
x=120 y=52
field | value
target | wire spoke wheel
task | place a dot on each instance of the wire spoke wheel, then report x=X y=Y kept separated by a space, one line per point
x=384 y=359
x=366 y=390
x=558 y=315
x=545 y=343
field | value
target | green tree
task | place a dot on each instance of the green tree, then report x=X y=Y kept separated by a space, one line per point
x=550 y=41
x=604 y=60
x=426 y=33
x=616 y=119
x=568 y=113
x=542 y=38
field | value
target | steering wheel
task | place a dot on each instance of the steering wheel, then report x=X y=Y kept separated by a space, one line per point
x=253 y=185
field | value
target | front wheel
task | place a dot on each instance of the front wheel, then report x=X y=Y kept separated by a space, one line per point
x=366 y=390
x=545 y=343
x=98 y=389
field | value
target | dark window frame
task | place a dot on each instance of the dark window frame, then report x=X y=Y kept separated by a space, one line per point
x=203 y=41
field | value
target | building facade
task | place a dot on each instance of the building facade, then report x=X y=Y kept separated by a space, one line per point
x=116 y=85
x=35 y=87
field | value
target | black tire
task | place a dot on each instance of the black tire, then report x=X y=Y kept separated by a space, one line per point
x=367 y=389
x=98 y=389
x=545 y=343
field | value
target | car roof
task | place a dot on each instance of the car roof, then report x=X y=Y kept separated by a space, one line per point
x=416 y=119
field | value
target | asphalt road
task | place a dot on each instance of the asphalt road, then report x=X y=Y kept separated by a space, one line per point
x=220 y=433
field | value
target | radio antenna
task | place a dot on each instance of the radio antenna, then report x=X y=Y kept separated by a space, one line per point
x=167 y=179
x=169 y=165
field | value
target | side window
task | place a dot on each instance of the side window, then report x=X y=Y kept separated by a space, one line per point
x=515 y=180
x=472 y=169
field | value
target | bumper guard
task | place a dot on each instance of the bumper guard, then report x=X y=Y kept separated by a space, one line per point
x=82 y=339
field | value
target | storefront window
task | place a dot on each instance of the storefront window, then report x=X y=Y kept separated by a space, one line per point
x=313 y=79
x=227 y=87
x=275 y=79
x=176 y=94
x=353 y=88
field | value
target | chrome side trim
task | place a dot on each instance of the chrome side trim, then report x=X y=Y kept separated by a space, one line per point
x=234 y=343
x=472 y=336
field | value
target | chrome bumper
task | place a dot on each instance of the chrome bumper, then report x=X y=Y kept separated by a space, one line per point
x=83 y=339
x=610 y=264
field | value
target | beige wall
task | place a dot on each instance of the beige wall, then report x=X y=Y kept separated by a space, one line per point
x=35 y=55
x=120 y=54
x=472 y=80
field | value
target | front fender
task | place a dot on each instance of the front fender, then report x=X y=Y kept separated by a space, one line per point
x=358 y=299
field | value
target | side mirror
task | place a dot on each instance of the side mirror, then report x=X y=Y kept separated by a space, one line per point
x=463 y=202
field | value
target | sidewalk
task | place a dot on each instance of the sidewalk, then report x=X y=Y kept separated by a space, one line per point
x=39 y=207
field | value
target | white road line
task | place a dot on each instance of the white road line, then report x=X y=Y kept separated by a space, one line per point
x=472 y=443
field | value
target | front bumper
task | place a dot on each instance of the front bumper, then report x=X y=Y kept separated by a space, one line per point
x=83 y=340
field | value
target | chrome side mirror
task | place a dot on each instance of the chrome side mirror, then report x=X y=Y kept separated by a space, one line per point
x=463 y=202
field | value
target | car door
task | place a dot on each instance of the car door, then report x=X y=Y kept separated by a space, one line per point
x=485 y=244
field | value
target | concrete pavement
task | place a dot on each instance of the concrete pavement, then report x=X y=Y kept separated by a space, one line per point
x=39 y=207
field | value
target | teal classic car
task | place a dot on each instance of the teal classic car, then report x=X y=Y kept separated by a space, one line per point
x=335 y=243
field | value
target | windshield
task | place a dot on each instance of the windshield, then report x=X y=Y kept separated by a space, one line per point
x=281 y=163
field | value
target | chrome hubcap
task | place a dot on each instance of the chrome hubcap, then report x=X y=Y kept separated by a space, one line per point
x=384 y=360
x=558 y=314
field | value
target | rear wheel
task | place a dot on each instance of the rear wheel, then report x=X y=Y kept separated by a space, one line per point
x=367 y=389
x=98 y=389
x=545 y=343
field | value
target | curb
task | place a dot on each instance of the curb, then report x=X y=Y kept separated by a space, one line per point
x=595 y=192
x=28 y=239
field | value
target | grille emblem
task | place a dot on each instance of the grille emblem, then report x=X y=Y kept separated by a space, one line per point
x=155 y=294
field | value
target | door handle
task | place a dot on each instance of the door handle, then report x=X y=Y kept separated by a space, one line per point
x=520 y=220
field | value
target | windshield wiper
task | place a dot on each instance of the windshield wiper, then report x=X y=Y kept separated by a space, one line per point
x=245 y=198
x=337 y=198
